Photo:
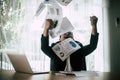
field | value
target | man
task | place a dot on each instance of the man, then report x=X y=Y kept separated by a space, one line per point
x=77 y=59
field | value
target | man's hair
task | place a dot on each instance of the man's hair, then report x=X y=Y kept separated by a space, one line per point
x=68 y=34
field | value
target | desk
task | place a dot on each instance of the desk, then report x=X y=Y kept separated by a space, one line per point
x=12 y=75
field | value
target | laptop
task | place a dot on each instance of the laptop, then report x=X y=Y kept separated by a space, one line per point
x=21 y=64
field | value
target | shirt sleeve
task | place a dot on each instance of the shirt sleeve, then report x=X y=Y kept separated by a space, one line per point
x=46 y=48
x=90 y=47
x=86 y=50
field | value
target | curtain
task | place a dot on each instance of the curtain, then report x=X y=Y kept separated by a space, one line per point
x=20 y=31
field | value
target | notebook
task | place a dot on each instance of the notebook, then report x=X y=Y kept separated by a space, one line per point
x=21 y=64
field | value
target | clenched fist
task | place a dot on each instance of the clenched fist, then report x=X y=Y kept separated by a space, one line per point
x=93 y=20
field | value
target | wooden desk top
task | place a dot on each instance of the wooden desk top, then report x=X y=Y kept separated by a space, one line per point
x=12 y=75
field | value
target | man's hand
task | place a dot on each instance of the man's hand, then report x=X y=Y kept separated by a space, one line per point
x=93 y=20
x=48 y=24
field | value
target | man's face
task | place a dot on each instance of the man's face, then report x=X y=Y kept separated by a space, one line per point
x=66 y=35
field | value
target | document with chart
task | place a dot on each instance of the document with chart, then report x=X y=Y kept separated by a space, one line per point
x=65 y=48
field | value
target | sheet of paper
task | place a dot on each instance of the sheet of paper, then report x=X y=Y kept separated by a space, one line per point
x=65 y=48
x=85 y=73
x=81 y=73
x=61 y=28
x=40 y=9
x=54 y=12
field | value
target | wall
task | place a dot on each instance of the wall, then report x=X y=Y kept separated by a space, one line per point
x=114 y=35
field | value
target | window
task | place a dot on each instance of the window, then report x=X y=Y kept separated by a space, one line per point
x=22 y=32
